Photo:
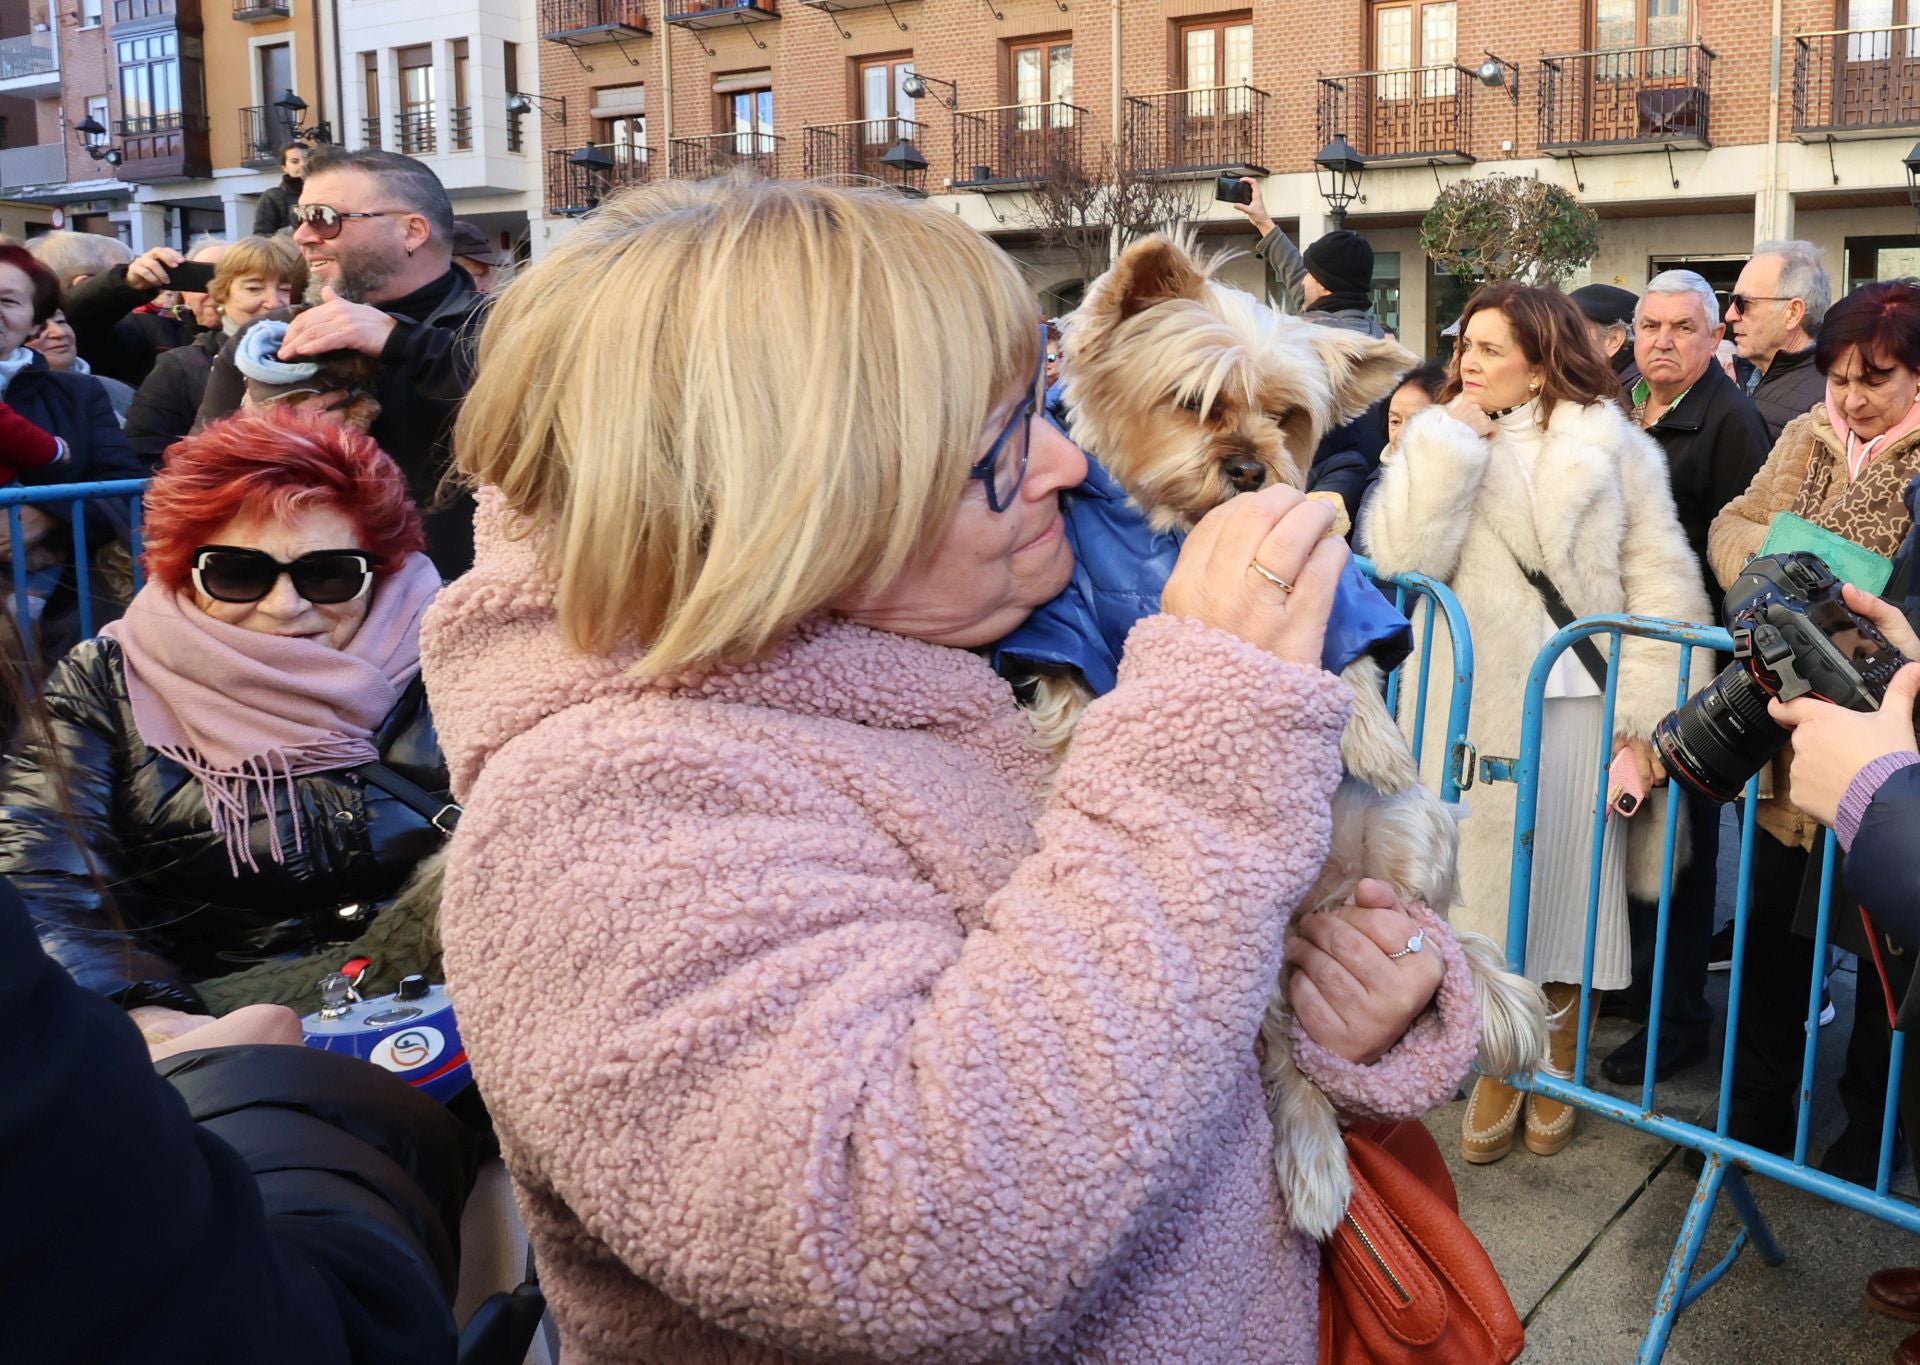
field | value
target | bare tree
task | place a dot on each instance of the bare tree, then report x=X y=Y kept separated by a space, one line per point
x=1088 y=209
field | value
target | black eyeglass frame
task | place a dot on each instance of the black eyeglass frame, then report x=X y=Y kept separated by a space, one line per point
x=309 y=217
x=1020 y=422
x=1745 y=302
x=295 y=571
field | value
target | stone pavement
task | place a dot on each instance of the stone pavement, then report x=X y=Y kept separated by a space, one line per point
x=1583 y=1238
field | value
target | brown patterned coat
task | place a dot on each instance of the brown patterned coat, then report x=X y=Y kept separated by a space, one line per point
x=1807 y=475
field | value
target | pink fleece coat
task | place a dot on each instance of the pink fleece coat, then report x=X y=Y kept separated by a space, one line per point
x=811 y=1032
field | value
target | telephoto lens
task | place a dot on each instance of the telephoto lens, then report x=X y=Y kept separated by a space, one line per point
x=1721 y=737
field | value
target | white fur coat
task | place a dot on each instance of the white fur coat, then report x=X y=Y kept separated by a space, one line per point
x=1599 y=521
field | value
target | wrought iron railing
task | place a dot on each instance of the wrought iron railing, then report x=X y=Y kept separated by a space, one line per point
x=700 y=158
x=252 y=11
x=559 y=17
x=262 y=134
x=574 y=189
x=1211 y=128
x=843 y=149
x=30 y=54
x=1419 y=111
x=1856 y=79
x=413 y=132
x=1660 y=95
x=460 y=120
x=1017 y=143
x=145 y=125
x=370 y=131
x=680 y=11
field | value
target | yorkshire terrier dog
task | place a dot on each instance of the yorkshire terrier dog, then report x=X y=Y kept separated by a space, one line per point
x=1189 y=391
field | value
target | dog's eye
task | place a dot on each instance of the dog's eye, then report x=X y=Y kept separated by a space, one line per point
x=1281 y=416
x=1191 y=403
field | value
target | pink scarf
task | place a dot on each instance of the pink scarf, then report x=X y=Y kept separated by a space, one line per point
x=240 y=709
x=1858 y=455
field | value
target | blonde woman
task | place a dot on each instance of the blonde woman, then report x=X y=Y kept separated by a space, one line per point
x=813 y=1023
x=255 y=276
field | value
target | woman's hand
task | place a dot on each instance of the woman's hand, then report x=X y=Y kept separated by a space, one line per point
x=273 y=1024
x=1646 y=760
x=1464 y=409
x=161 y=1024
x=1215 y=582
x=1831 y=744
x=151 y=270
x=1887 y=618
x=1352 y=998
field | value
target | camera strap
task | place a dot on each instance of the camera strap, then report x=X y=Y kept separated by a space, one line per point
x=443 y=815
x=1589 y=653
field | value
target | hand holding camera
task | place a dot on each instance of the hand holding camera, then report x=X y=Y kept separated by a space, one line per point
x=1242 y=194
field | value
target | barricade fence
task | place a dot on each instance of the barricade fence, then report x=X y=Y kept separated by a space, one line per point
x=1726 y=1159
x=1424 y=601
x=93 y=513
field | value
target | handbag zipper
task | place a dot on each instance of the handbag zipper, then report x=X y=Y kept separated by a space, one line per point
x=1378 y=1259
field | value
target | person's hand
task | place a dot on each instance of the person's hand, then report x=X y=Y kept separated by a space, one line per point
x=149 y=270
x=1646 y=760
x=336 y=325
x=272 y=1024
x=1255 y=209
x=1352 y=998
x=1464 y=409
x=160 y=1023
x=1214 y=581
x=1831 y=744
x=1888 y=619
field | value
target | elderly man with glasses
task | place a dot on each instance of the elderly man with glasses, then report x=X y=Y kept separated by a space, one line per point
x=376 y=229
x=1774 y=314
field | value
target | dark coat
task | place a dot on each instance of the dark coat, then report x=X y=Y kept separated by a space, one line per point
x=116 y=341
x=273 y=210
x=178 y=911
x=164 y=409
x=75 y=407
x=1790 y=388
x=1348 y=458
x=1715 y=444
x=227 y=1207
x=425 y=370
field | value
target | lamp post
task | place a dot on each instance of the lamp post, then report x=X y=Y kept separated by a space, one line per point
x=1339 y=169
x=914 y=86
x=93 y=141
x=597 y=166
x=292 y=109
x=1913 y=181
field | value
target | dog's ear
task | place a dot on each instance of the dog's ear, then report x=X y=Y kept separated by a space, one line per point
x=1360 y=369
x=1152 y=271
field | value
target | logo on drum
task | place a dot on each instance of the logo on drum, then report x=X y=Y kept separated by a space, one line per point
x=410 y=1049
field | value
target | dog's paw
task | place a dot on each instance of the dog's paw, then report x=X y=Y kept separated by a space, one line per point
x=1317 y=1194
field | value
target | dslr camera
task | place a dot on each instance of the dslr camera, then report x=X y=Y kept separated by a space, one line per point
x=1793 y=636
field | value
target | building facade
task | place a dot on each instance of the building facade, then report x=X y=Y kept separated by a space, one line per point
x=1694 y=127
x=55 y=74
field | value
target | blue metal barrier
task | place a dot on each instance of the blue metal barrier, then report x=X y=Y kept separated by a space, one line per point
x=1725 y=1157
x=77 y=497
x=1457 y=773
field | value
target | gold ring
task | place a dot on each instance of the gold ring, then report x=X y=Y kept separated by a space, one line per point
x=1270 y=576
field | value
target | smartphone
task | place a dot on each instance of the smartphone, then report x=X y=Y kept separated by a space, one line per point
x=1623 y=779
x=190 y=277
x=1231 y=189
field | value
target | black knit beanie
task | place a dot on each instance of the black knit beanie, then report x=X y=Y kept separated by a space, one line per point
x=1342 y=262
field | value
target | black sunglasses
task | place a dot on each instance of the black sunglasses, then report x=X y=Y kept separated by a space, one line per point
x=1744 y=302
x=324 y=220
x=1004 y=467
x=325 y=578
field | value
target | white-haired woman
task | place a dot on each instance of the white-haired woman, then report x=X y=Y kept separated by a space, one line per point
x=865 y=1043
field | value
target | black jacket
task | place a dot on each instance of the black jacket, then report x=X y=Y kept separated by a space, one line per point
x=164 y=409
x=111 y=337
x=273 y=211
x=425 y=370
x=1789 y=389
x=228 y=1207
x=1715 y=444
x=178 y=912
x=75 y=407
x=1347 y=460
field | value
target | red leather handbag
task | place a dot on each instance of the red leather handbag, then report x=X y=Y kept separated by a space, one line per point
x=1402 y=1280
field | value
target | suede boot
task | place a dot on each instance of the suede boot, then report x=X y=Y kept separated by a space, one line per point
x=1492 y=1116
x=1549 y=1122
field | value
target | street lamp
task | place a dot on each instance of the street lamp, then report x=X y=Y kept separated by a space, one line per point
x=1496 y=72
x=522 y=102
x=1913 y=181
x=93 y=140
x=292 y=109
x=914 y=86
x=597 y=166
x=1339 y=168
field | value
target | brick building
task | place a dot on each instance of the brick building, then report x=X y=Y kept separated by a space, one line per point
x=1695 y=127
x=55 y=73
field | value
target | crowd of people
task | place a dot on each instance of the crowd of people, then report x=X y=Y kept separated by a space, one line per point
x=815 y=1012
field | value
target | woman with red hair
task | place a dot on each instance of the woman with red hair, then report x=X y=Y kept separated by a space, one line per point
x=226 y=753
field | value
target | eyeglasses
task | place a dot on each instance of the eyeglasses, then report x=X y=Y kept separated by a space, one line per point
x=1744 y=302
x=324 y=220
x=1004 y=467
x=325 y=578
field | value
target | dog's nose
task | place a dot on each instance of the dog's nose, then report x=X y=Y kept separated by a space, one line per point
x=1245 y=473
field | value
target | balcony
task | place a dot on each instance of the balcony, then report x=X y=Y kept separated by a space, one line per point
x=25 y=167
x=1016 y=146
x=573 y=190
x=370 y=131
x=854 y=149
x=413 y=133
x=1627 y=99
x=1856 y=83
x=1214 y=130
x=702 y=158
x=460 y=123
x=160 y=147
x=699 y=14
x=581 y=23
x=133 y=11
x=1421 y=114
x=30 y=66
x=257 y=11
x=262 y=134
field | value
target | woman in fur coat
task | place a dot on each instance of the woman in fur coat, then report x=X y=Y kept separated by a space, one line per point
x=1531 y=475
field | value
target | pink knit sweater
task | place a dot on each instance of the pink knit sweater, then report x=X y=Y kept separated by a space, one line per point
x=809 y=1031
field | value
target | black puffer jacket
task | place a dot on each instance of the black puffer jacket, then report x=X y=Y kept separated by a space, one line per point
x=178 y=912
x=164 y=409
x=1790 y=388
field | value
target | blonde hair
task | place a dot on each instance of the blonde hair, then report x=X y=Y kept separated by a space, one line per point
x=726 y=405
x=275 y=257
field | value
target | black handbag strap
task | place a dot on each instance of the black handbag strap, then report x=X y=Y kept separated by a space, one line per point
x=1589 y=653
x=442 y=815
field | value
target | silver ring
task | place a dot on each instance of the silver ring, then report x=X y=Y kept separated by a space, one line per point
x=1414 y=945
x=1271 y=577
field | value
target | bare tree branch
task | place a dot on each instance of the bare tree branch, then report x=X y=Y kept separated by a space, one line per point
x=1077 y=206
x=1508 y=227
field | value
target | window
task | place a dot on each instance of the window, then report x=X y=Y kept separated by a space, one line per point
x=748 y=115
x=1215 y=54
x=1623 y=25
x=462 y=120
x=416 y=98
x=370 y=93
x=1415 y=35
x=620 y=123
x=274 y=68
x=882 y=101
x=1881 y=15
x=511 y=57
x=149 y=82
x=98 y=111
x=90 y=14
x=1042 y=74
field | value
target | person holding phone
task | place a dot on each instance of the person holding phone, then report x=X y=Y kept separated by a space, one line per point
x=116 y=327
